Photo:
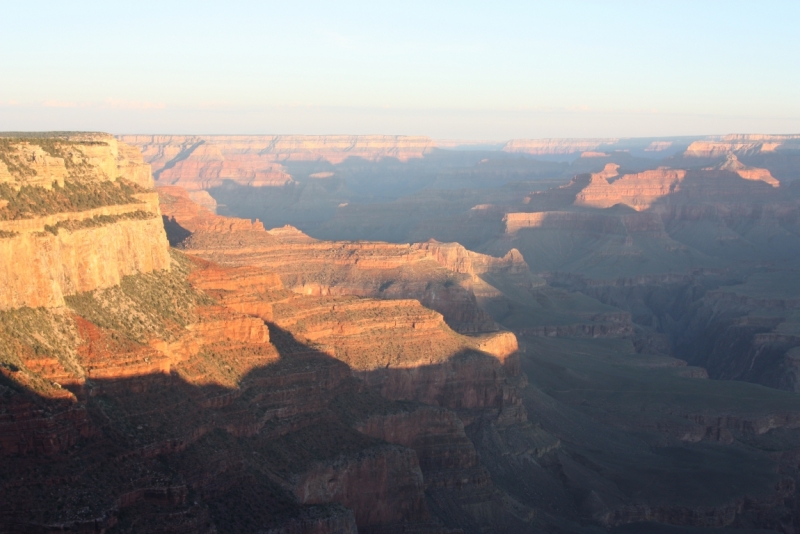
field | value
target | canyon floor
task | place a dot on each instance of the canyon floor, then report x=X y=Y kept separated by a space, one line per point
x=382 y=334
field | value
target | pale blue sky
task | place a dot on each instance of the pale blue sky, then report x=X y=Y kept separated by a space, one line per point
x=472 y=70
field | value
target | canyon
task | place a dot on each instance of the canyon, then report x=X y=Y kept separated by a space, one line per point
x=341 y=334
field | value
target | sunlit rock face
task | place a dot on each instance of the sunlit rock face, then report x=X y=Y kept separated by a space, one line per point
x=443 y=276
x=580 y=366
x=203 y=162
x=741 y=143
x=78 y=213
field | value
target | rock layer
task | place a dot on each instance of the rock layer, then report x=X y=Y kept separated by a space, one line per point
x=44 y=257
x=440 y=275
x=213 y=154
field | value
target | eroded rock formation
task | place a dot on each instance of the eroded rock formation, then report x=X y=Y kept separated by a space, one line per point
x=740 y=143
x=77 y=215
x=440 y=275
x=188 y=160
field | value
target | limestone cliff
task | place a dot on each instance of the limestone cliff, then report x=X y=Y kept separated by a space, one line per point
x=77 y=214
x=255 y=160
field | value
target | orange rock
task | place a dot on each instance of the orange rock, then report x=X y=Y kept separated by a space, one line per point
x=723 y=145
x=638 y=191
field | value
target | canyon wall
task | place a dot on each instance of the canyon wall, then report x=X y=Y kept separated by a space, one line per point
x=268 y=381
x=255 y=160
x=741 y=143
x=440 y=275
x=77 y=214
x=638 y=191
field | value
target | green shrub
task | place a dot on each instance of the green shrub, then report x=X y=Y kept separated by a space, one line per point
x=31 y=201
x=98 y=220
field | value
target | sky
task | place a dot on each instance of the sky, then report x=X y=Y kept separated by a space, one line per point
x=454 y=70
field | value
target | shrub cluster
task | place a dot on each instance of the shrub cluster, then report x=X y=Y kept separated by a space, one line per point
x=144 y=306
x=99 y=220
x=53 y=145
x=31 y=201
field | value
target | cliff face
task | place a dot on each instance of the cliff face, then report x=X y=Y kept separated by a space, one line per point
x=262 y=426
x=733 y=164
x=432 y=364
x=185 y=159
x=638 y=191
x=39 y=269
x=76 y=215
x=741 y=143
x=204 y=166
x=440 y=275
x=39 y=160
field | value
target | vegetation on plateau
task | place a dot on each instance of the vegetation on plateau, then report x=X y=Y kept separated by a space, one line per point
x=99 y=220
x=157 y=304
x=31 y=201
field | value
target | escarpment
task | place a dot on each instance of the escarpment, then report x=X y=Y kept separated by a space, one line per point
x=199 y=395
x=182 y=368
x=443 y=276
x=740 y=143
x=587 y=370
x=200 y=162
x=638 y=191
x=77 y=214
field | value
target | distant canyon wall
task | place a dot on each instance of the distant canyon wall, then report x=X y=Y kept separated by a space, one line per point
x=705 y=147
x=201 y=162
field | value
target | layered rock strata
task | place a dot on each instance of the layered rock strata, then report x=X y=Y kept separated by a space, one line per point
x=254 y=160
x=222 y=395
x=442 y=276
x=741 y=143
x=49 y=250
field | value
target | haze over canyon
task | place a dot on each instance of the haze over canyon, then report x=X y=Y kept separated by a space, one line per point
x=297 y=334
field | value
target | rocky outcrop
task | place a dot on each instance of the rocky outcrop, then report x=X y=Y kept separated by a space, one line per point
x=47 y=252
x=179 y=209
x=639 y=191
x=440 y=275
x=733 y=164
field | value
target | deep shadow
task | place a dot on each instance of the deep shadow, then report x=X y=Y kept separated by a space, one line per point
x=184 y=154
x=155 y=453
x=152 y=453
x=176 y=234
